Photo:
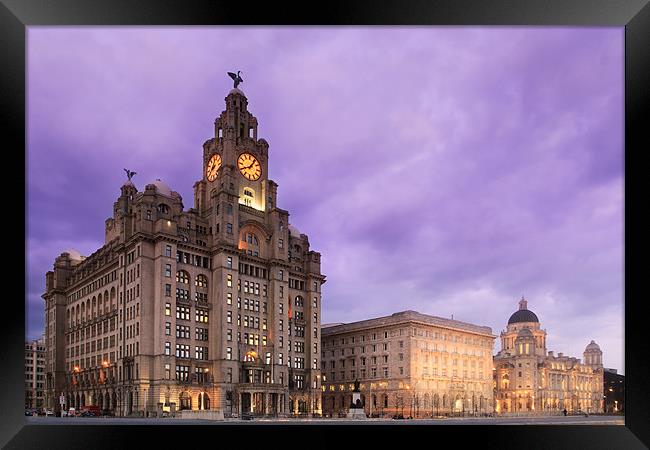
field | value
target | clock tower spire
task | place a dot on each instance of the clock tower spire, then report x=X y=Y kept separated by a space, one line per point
x=235 y=161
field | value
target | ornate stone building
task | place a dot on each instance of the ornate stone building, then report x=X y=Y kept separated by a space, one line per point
x=408 y=363
x=528 y=379
x=35 y=373
x=215 y=307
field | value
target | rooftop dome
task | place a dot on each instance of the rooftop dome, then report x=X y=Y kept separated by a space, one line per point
x=75 y=255
x=162 y=187
x=294 y=231
x=237 y=91
x=523 y=314
x=592 y=346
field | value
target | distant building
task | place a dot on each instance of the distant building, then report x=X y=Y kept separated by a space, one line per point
x=614 y=388
x=528 y=379
x=408 y=363
x=35 y=373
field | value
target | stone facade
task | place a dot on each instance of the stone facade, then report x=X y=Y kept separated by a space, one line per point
x=216 y=307
x=528 y=379
x=35 y=373
x=410 y=364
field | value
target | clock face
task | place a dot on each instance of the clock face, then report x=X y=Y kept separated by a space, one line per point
x=249 y=166
x=213 y=166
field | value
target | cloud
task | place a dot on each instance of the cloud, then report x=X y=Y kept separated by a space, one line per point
x=446 y=170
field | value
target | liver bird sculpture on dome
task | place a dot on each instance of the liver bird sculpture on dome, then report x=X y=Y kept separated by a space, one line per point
x=237 y=79
x=130 y=173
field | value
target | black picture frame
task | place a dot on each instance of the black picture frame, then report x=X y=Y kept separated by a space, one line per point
x=634 y=15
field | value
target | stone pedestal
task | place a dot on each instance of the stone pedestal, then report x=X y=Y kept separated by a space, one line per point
x=356 y=409
x=204 y=414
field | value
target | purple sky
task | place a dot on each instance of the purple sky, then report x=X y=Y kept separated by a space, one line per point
x=447 y=170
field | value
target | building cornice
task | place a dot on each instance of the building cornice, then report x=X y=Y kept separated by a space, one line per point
x=408 y=317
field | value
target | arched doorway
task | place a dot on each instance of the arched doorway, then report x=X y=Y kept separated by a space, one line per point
x=185 y=400
x=204 y=401
x=129 y=403
x=458 y=404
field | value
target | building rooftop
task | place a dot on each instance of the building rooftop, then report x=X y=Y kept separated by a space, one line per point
x=406 y=317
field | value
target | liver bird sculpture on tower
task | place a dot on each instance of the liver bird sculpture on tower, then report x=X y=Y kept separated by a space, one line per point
x=236 y=77
x=129 y=173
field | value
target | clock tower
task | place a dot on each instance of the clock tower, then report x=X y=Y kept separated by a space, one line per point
x=235 y=160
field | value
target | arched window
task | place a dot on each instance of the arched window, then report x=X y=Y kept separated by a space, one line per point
x=250 y=243
x=201 y=280
x=251 y=239
x=162 y=208
x=185 y=401
x=113 y=305
x=204 y=400
x=182 y=277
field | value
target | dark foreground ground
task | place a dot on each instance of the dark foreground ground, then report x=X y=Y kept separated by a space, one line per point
x=550 y=420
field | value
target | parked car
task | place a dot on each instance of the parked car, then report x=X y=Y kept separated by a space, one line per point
x=398 y=416
x=90 y=411
x=247 y=416
x=72 y=412
x=49 y=412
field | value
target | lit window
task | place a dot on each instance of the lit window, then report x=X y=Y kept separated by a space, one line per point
x=182 y=277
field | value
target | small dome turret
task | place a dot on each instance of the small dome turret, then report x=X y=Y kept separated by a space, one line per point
x=162 y=187
x=523 y=314
x=294 y=231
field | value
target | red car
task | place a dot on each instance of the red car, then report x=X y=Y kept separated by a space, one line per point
x=90 y=411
